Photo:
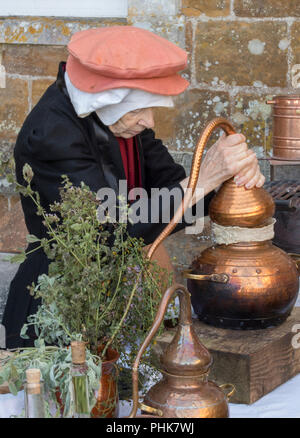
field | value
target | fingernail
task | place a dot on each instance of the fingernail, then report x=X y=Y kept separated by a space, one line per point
x=240 y=181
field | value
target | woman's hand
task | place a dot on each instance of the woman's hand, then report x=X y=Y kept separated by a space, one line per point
x=230 y=157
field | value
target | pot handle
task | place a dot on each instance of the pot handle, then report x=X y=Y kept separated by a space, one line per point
x=217 y=278
x=270 y=102
x=230 y=387
x=296 y=259
x=150 y=410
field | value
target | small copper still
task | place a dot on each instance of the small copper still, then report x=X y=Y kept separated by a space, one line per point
x=184 y=391
x=286 y=127
x=244 y=285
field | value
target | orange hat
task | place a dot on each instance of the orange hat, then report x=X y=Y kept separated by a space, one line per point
x=125 y=56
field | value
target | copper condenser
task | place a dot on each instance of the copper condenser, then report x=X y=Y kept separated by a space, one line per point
x=286 y=127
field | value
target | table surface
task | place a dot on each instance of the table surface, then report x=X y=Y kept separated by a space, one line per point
x=283 y=402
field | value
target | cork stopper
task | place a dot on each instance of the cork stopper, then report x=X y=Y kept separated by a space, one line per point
x=33 y=375
x=78 y=352
x=33 y=379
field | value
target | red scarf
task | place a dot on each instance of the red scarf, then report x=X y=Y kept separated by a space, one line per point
x=131 y=162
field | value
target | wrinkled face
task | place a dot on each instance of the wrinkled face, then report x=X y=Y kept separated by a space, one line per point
x=133 y=123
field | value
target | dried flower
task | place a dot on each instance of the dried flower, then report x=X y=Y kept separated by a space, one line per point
x=27 y=173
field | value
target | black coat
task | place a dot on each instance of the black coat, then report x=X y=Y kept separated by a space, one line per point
x=54 y=141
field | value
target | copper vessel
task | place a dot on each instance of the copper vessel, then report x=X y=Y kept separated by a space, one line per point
x=184 y=391
x=242 y=285
x=260 y=291
x=286 y=127
x=236 y=206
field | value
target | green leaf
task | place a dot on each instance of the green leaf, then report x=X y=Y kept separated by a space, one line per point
x=76 y=227
x=4 y=373
x=6 y=258
x=18 y=258
x=12 y=388
x=23 y=332
x=13 y=372
x=30 y=238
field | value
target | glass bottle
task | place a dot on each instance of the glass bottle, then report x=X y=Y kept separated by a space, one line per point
x=34 y=394
x=79 y=391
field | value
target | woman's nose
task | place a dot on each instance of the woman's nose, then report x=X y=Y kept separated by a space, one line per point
x=147 y=119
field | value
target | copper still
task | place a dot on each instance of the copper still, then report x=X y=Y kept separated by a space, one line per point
x=243 y=285
x=286 y=127
x=184 y=391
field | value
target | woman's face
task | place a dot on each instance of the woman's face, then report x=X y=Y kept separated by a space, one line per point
x=133 y=123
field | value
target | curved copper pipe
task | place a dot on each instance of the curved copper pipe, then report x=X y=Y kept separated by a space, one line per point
x=185 y=304
x=184 y=318
x=218 y=122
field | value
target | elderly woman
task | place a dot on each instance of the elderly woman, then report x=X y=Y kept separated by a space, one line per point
x=95 y=124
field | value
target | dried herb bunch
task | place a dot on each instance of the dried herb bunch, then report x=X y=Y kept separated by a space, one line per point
x=102 y=284
x=100 y=288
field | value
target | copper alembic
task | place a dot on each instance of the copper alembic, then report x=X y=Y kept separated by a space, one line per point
x=261 y=281
x=184 y=391
x=241 y=285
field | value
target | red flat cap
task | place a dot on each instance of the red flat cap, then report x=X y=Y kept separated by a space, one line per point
x=125 y=56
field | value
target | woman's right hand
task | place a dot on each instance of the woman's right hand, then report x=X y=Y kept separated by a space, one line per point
x=230 y=157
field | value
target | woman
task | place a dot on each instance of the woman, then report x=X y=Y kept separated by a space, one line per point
x=95 y=124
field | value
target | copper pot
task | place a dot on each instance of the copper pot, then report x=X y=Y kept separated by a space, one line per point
x=286 y=127
x=188 y=397
x=260 y=288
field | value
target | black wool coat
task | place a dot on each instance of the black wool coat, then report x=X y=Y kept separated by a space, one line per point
x=55 y=141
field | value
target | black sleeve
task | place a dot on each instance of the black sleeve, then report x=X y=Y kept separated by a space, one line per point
x=55 y=147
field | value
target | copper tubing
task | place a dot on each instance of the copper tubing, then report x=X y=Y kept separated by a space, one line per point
x=184 y=318
x=218 y=122
x=185 y=305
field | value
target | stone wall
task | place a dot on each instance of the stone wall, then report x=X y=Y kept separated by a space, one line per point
x=241 y=53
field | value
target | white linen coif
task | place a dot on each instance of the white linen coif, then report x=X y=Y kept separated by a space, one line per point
x=111 y=105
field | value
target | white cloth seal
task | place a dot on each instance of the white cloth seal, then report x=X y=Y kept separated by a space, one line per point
x=227 y=235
